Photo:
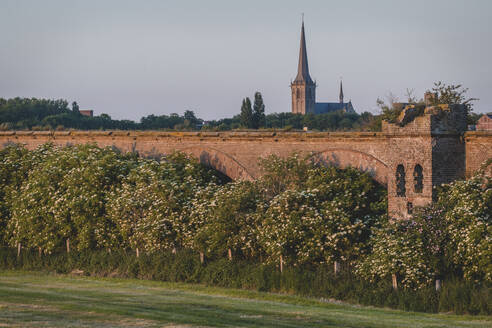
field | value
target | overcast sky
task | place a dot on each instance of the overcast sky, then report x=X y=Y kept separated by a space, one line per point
x=134 y=58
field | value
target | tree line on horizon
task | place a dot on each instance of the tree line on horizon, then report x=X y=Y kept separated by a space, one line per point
x=46 y=114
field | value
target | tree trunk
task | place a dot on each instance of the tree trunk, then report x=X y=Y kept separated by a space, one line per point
x=336 y=267
x=229 y=254
x=281 y=264
x=438 y=285
x=394 y=281
x=68 y=245
x=39 y=251
x=138 y=253
x=174 y=250
x=202 y=257
x=18 y=249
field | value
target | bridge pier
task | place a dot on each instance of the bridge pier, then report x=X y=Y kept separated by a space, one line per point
x=426 y=152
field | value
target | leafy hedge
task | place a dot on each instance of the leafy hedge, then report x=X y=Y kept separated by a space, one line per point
x=456 y=296
x=301 y=217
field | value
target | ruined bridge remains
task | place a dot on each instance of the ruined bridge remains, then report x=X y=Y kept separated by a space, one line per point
x=410 y=160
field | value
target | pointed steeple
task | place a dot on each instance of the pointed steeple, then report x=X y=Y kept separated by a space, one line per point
x=303 y=69
x=341 y=92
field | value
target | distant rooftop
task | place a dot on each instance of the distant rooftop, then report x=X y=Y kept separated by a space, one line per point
x=327 y=107
x=87 y=112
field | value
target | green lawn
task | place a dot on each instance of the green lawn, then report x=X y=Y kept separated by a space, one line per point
x=30 y=299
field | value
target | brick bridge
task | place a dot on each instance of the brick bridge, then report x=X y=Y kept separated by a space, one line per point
x=409 y=160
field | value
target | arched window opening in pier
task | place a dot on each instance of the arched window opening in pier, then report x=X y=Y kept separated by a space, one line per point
x=400 y=181
x=418 y=179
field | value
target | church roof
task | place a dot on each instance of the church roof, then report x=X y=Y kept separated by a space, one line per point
x=303 y=69
x=322 y=108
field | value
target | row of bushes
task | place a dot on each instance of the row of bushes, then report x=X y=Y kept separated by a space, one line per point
x=93 y=198
x=300 y=214
x=455 y=296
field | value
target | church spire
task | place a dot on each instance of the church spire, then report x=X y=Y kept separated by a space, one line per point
x=341 y=92
x=303 y=69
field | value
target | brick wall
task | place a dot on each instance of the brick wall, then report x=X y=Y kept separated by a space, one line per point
x=478 y=147
x=443 y=155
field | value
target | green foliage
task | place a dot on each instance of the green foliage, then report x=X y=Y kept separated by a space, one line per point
x=258 y=111
x=148 y=208
x=452 y=94
x=451 y=237
x=317 y=214
x=75 y=107
x=227 y=220
x=445 y=94
x=153 y=122
x=44 y=114
x=405 y=248
x=280 y=174
x=307 y=214
x=467 y=213
x=63 y=197
x=41 y=114
x=456 y=296
x=14 y=167
x=246 y=115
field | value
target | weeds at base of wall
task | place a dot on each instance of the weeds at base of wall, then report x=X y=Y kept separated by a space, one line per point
x=456 y=296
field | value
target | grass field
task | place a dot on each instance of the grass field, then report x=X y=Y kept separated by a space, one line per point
x=30 y=299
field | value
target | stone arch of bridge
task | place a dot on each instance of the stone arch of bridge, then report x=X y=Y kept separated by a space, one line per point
x=220 y=161
x=344 y=158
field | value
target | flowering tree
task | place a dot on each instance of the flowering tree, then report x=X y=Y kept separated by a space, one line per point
x=320 y=214
x=144 y=209
x=280 y=174
x=289 y=228
x=64 y=196
x=468 y=216
x=451 y=236
x=229 y=219
x=33 y=221
x=302 y=229
x=407 y=249
x=14 y=166
x=150 y=209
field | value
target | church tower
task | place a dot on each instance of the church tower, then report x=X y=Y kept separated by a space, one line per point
x=340 y=97
x=303 y=88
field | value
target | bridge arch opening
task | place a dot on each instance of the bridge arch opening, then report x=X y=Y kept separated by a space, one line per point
x=345 y=158
x=220 y=162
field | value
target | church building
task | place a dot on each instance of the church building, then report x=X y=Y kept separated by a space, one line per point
x=304 y=89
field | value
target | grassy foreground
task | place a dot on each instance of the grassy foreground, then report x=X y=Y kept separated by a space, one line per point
x=30 y=299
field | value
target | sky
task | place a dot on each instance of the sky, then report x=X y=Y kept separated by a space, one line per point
x=134 y=58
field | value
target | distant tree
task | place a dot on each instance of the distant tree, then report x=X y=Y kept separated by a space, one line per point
x=390 y=109
x=453 y=94
x=190 y=116
x=410 y=95
x=75 y=108
x=472 y=118
x=247 y=114
x=258 y=111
